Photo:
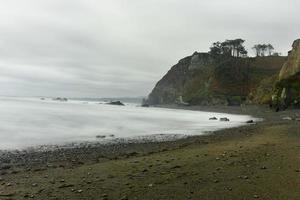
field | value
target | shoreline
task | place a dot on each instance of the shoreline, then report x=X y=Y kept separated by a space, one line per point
x=68 y=161
x=118 y=147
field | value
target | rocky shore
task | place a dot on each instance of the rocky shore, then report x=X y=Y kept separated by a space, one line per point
x=258 y=161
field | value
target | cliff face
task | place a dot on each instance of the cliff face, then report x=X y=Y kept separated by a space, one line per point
x=202 y=79
x=292 y=65
x=288 y=87
x=183 y=77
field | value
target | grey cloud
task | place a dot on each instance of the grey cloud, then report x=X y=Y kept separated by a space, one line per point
x=120 y=48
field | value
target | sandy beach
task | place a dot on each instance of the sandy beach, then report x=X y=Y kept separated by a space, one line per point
x=257 y=161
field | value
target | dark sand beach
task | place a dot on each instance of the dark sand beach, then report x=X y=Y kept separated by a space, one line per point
x=256 y=161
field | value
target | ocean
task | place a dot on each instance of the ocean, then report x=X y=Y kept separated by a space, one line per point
x=34 y=122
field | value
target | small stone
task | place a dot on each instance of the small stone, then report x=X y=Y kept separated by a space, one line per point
x=287 y=118
x=34 y=184
x=104 y=195
x=145 y=170
x=124 y=197
x=255 y=196
x=79 y=191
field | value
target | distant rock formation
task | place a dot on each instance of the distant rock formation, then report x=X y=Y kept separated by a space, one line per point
x=204 y=79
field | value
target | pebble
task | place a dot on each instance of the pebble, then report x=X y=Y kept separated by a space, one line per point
x=104 y=195
x=125 y=197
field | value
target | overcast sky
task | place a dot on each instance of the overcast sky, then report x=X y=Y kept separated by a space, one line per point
x=97 y=48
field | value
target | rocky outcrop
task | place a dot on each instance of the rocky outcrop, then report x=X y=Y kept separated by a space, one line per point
x=292 y=65
x=287 y=90
x=204 y=79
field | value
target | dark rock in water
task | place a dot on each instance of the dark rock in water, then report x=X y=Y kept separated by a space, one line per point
x=249 y=121
x=100 y=136
x=145 y=105
x=224 y=119
x=213 y=118
x=117 y=103
x=60 y=99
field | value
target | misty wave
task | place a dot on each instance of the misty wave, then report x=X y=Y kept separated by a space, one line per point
x=30 y=122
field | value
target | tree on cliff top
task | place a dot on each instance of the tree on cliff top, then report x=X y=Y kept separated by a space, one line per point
x=232 y=48
x=262 y=49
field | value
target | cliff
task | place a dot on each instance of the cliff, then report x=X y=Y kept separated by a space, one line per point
x=292 y=65
x=204 y=79
x=288 y=87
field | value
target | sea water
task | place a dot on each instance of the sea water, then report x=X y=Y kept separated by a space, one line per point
x=31 y=122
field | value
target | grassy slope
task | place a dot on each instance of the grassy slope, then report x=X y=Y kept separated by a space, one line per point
x=254 y=162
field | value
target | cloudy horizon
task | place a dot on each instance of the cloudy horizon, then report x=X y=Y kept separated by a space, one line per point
x=79 y=48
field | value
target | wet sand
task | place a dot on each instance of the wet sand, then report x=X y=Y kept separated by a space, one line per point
x=258 y=161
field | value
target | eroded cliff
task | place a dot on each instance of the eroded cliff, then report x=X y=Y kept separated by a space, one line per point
x=288 y=87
